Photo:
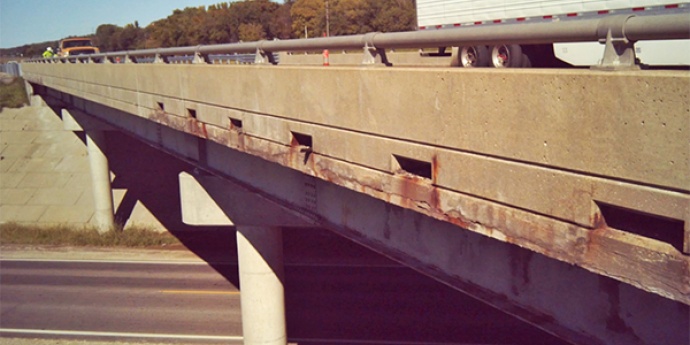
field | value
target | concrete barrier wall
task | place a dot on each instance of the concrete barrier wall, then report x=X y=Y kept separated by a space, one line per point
x=573 y=138
x=12 y=68
x=340 y=58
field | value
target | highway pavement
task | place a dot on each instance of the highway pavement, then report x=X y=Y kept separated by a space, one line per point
x=336 y=293
x=122 y=300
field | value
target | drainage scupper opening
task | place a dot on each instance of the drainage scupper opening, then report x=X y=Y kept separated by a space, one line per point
x=644 y=224
x=299 y=139
x=191 y=113
x=413 y=166
x=235 y=124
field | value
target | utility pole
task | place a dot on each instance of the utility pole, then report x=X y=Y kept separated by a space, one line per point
x=328 y=21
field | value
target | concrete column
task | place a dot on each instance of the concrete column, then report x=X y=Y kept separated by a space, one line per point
x=100 y=177
x=260 y=254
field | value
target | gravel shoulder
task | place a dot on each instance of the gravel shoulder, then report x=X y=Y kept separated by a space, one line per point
x=33 y=252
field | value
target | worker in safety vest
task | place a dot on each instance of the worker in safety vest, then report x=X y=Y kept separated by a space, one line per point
x=48 y=53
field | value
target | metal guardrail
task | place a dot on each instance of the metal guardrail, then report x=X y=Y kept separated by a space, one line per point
x=241 y=59
x=618 y=32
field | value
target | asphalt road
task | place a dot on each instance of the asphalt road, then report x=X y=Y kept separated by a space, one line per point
x=336 y=293
x=115 y=299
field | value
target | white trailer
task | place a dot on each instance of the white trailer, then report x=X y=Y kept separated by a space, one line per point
x=445 y=14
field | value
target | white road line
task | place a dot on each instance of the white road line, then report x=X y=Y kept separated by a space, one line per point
x=119 y=334
x=172 y=262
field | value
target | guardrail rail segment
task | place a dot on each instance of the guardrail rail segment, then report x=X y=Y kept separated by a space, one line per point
x=617 y=32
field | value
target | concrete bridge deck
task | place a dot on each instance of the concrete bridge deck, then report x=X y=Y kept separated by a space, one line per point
x=462 y=174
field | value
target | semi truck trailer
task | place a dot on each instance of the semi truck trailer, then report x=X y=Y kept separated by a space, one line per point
x=456 y=14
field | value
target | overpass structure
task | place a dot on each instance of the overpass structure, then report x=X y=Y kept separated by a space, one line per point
x=558 y=196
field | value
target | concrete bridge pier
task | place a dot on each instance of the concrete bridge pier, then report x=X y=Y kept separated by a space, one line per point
x=260 y=256
x=104 y=218
x=210 y=200
x=74 y=120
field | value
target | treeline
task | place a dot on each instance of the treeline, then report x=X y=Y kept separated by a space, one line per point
x=252 y=20
x=249 y=20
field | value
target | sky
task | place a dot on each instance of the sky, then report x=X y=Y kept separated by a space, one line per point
x=34 y=21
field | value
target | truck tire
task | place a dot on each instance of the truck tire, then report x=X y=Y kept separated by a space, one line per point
x=505 y=56
x=526 y=63
x=472 y=56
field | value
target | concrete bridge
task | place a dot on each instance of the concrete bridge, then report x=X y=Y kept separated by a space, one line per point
x=558 y=196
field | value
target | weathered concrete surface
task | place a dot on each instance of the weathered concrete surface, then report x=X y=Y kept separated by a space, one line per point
x=43 y=170
x=211 y=200
x=488 y=118
x=526 y=157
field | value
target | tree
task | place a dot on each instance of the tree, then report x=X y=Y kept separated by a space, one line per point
x=251 y=32
x=182 y=28
x=393 y=15
x=308 y=18
x=281 y=23
x=130 y=37
x=105 y=37
x=217 y=24
x=260 y=12
x=350 y=17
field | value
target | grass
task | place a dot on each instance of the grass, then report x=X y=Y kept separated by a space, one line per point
x=62 y=235
x=13 y=94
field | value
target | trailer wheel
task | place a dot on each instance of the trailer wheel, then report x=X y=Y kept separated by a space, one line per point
x=474 y=56
x=526 y=63
x=503 y=56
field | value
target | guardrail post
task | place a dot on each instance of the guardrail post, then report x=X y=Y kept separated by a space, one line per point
x=264 y=58
x=619 y=53
x=373 y=56
x=160 y=59
x=201 y=59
